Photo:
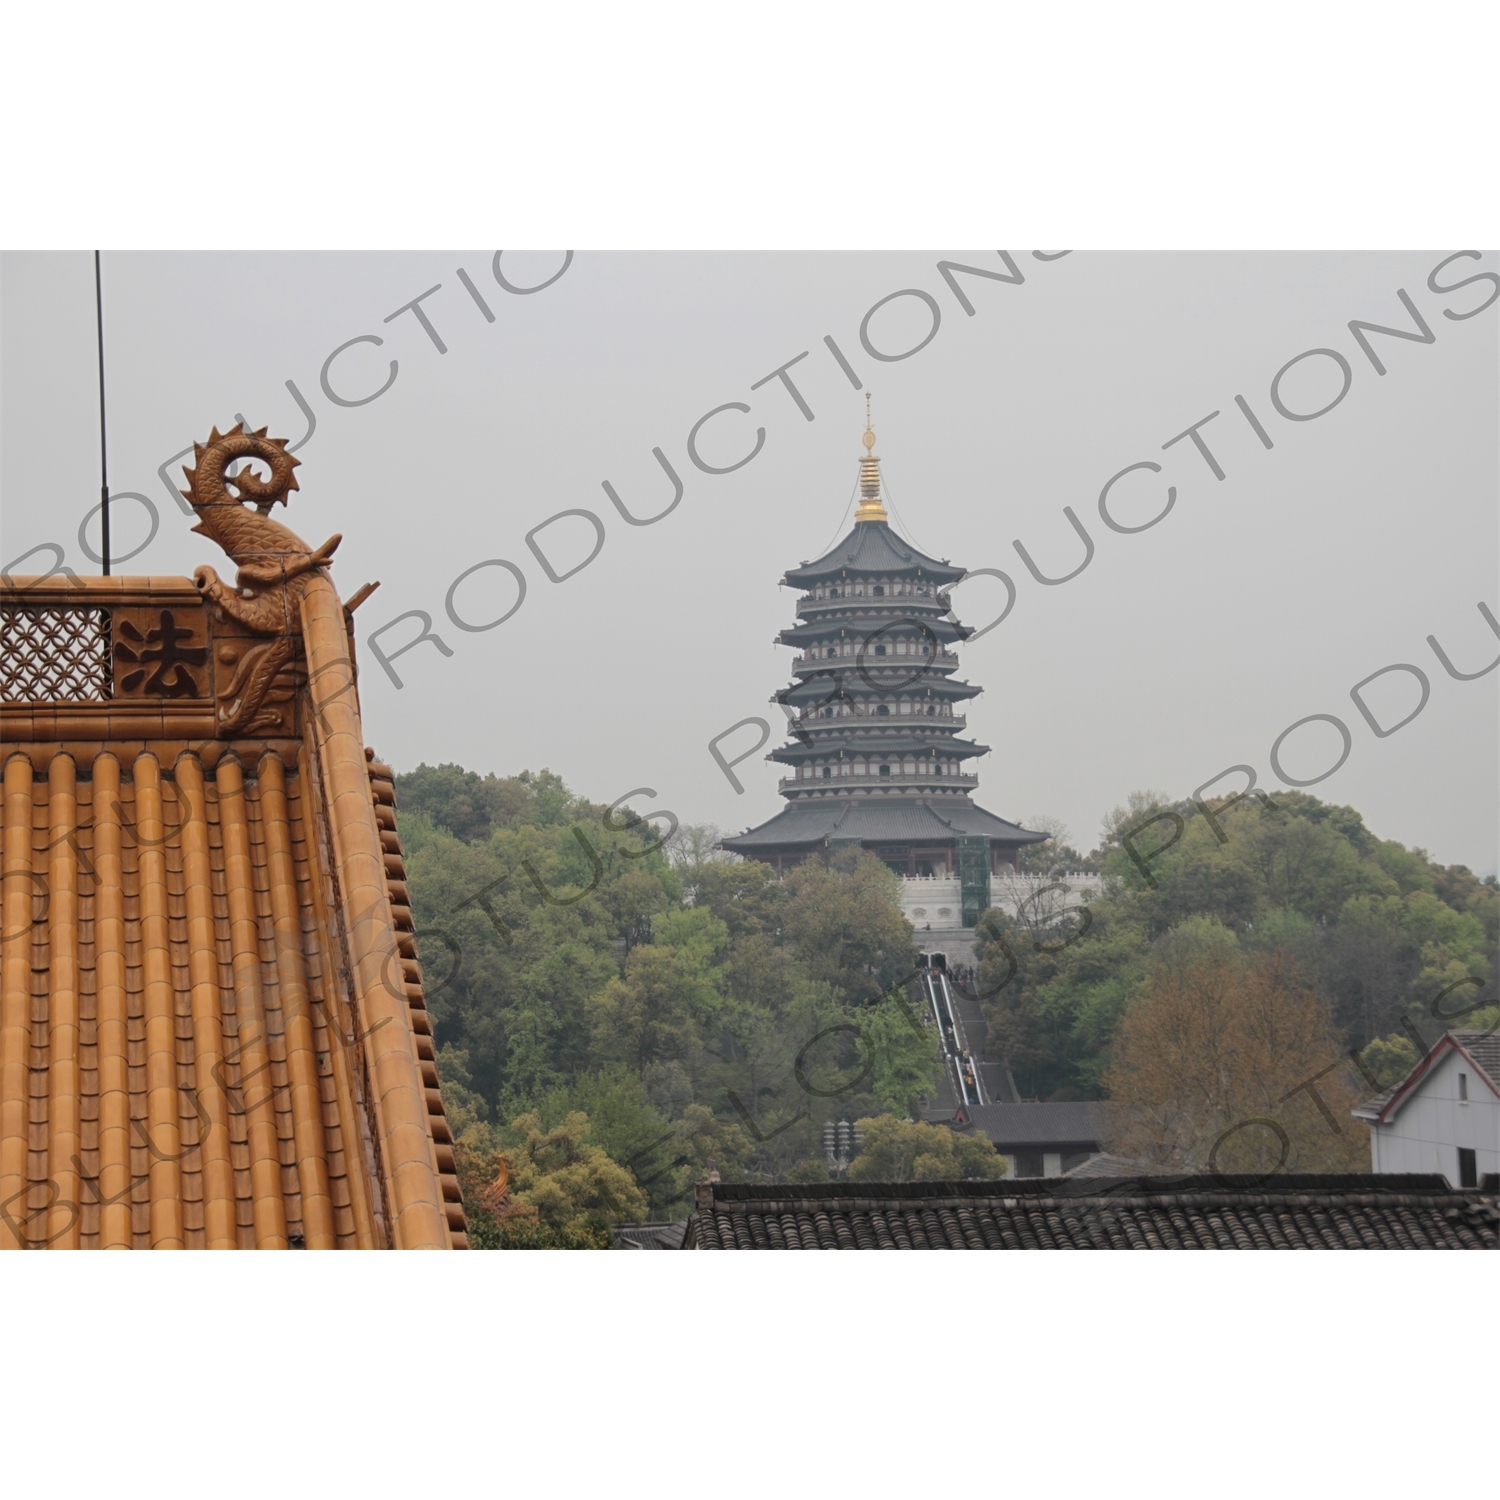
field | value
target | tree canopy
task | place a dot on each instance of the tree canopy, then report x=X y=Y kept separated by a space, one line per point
x=1380 y=932
x=910 y=1151
x=620 y=1014
x=667 y=1008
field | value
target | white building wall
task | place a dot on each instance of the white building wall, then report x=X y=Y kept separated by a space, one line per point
x=1044 y=896
x=1433 y=1123
x=936 y=899
x=932 y=900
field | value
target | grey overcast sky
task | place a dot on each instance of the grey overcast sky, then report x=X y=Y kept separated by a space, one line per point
x=1180 y=650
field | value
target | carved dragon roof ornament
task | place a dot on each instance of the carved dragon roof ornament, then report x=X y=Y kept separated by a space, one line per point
x=274 y=564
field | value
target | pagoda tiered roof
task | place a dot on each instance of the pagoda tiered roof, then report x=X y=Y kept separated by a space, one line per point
x=873 y=762
x=878 y=820
x=890 y=613
x=819 y=688
x=873 y=548
x=875 y=746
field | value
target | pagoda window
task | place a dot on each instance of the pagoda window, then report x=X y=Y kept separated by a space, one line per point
x=879 y=588
x=883 y=711
x=885 y=770
x=880 y=651
x=827 y=773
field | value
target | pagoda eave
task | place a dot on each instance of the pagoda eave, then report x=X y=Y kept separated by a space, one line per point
x=820 y=687
x=873 y=628
x=872 y=549
x=928 y=748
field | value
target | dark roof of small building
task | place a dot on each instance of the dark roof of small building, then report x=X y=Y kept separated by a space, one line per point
x=1329 y=1212
x=872 y=547
x=877 y=820
x=1102 y=1164
x=1482 y=1048
x=1071 y=1122
x=661 y=1236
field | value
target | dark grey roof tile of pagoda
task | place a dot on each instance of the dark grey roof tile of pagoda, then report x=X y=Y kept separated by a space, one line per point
x=1218 y=1212
x=823 y=688
x=878 y=820
x=879 y=745
x=872 y=547
x=874 y=626
x=871 y=817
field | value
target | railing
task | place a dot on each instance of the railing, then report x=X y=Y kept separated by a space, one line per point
x=872 y=663
x=833 y=721
x=1080 y=880
x=928 y=782
x=844 y=600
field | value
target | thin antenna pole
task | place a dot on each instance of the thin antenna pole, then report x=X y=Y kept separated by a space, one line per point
x=103 y=430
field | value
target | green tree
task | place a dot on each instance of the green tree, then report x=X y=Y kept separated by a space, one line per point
x=657 y=1008
x=564 y=1179
x=902 y=1053
x=746 y=896
x=845 y=922
x=905 y=1151
x=1376 y=927
x=1388 y=1059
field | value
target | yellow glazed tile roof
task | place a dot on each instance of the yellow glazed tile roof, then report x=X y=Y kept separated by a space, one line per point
x=213 y=1032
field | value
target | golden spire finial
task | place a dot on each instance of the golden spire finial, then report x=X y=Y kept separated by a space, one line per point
x=869 y=475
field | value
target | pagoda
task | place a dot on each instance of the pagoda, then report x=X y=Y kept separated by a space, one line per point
x=878 y=757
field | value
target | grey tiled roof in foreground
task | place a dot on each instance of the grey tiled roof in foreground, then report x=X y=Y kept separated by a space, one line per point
x=1329 y=1212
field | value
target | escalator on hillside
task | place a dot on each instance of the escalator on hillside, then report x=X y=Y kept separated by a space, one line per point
x=967 y=1078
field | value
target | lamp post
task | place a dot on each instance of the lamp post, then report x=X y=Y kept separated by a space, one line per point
x=841 y=1144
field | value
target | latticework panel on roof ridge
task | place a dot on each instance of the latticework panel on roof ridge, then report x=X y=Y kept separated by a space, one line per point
x=54 y=654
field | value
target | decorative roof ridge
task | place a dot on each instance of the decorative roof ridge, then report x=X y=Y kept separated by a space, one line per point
x=1278 y=1186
